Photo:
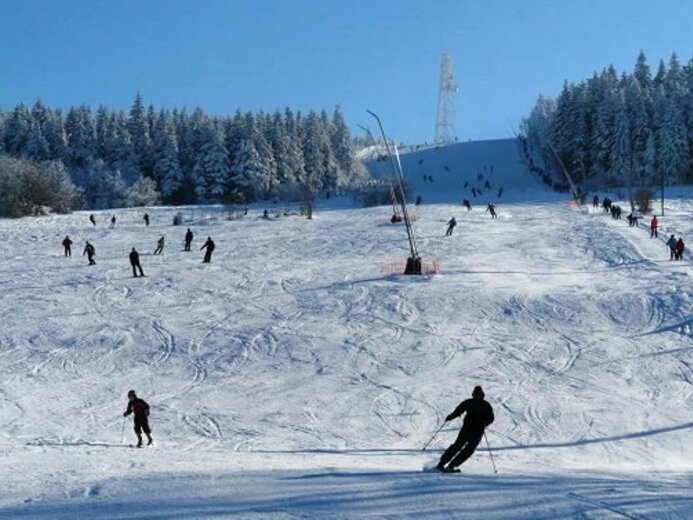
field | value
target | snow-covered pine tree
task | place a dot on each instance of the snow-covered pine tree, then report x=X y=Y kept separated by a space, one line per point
x=138 y=126
x=81 y=136
x=167 y=170
x=250 y=179
x=211 y=170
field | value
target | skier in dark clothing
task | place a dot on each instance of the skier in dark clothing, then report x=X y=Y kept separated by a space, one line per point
x=160 y=245
x=140 y=408
x=135 y=263
x=451 y=225
x=146 y=219
x=672 y=247
x=113 y=221
x=67 y=245
x=209 y=244
x=90 y=252
x=680 y=247
x=500 y=192
x=467 y=205
x=474 y=192
x=479 y=414
x=595 y=201
x=188 y=239
x=418 y=200
x=487 y=185
x=491 y=209
x=92 y=219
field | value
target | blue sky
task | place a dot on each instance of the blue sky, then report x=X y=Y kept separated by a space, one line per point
x=378 y=54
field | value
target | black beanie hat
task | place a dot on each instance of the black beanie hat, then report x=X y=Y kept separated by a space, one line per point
x=478 y=392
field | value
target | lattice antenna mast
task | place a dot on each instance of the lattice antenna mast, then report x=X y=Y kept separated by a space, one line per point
x=445 y=129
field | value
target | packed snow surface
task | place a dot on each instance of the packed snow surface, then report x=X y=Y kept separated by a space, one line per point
x=291 y=377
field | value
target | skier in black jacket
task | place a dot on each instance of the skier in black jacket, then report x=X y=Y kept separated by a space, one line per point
x=209 y=245
x=135 y=263
x=479 y=414
x=141 y=410
x=188 y=239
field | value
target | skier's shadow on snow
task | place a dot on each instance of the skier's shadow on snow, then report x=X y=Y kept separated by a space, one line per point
x=597 y=440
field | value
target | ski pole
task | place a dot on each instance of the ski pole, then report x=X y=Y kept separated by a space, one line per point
x=434 y=436
x=491 y=453
x=122 y=432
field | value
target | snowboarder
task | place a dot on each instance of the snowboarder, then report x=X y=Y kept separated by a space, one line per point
x=467 y=205
x=141 y=410
x=209 y=244
x=113 y=221
x=680 y=247
x=92 y=219
x=160 y=245
x=188 y=239
x=135 y=263
x=653 y=227
x=491 y=209
x=67 y=245
x=90 y=252
x=451 y=225
x=672 y=247
x=146 y=219
x=479 y=414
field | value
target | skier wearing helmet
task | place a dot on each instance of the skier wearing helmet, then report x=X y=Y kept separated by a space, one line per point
x=141 y=410
x=479 y=414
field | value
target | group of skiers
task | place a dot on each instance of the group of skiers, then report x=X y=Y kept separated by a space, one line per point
x=676 y=247
x=452 y=222
x=90 y=250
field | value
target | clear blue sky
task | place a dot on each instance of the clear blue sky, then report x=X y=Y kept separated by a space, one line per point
x=378 y=54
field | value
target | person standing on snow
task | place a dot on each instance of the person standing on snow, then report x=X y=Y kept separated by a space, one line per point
x=209 y=245
x=160 y=245
x=113 y=221
x=479 y=414
x=672 y=247
x=135 y=263
x=92 y=219
x=90 y=252
x=451 y=225
x=653 y=227
x=67 y=245
x=680 y=247
x=141 y=410
x=491 y=209
x=188 y=239
x=146 y=219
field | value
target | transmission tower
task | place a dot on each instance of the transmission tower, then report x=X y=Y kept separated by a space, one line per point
x=445 y=129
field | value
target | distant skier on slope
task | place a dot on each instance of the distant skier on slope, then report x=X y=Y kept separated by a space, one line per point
x=135 y=263
x=92 y=219
x=653 y=227
x=451 y=225
x=491 y=209
x=160 y=245
x=209 y=245
x=90 y=251
x=113 y=221
x=67 y=245
x=680 y=247
x=479 y=414
x=146 y=219
x=672 y=247
x=141 y=410
x=467 y=205
x=188 y=239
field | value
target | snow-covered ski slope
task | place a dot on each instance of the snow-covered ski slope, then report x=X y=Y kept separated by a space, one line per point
x=292 y=379
x=439 y=172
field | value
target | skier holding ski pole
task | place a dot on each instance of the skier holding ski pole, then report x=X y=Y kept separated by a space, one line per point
x=434 y=436
x=479 y=414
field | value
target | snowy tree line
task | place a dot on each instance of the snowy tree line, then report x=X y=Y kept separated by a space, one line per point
x=148 y=156
x=627 y=130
